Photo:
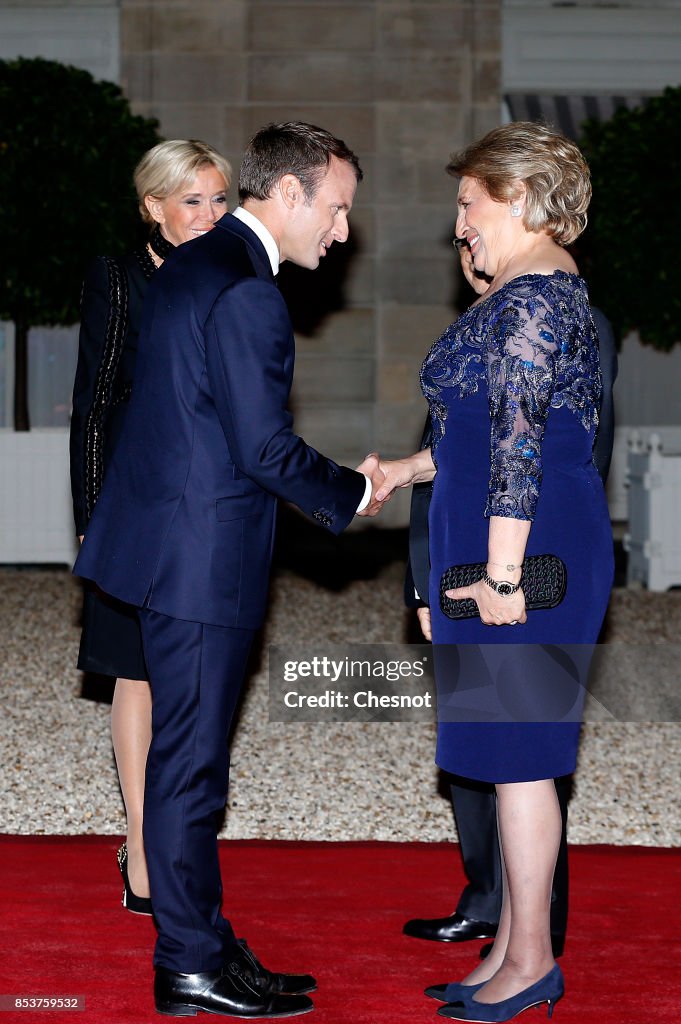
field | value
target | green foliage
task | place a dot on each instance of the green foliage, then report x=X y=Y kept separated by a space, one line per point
x=632 y=242
x=68 y=146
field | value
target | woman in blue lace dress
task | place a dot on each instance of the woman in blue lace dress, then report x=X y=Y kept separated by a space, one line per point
x=513 y=389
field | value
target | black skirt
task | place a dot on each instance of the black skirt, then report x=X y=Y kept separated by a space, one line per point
x=111 y=641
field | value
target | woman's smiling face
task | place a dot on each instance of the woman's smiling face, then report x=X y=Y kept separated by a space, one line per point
x=484 y=223
x=193 y=210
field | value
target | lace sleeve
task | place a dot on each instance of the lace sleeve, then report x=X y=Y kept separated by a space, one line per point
x=521 y=373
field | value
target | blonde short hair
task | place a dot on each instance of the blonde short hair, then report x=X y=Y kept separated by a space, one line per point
x=550 y=166
x=172 y=166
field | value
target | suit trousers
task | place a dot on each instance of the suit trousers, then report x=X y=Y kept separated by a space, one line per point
x=475 y=811
x=196 y=673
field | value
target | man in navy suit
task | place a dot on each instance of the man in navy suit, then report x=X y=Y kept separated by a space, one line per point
x=474 y=803
x=184 y=525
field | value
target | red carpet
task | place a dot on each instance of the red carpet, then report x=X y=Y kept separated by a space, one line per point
x=336 y=910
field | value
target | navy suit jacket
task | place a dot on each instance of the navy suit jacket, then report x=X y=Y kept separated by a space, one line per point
x=418 y=564
x=185 y=520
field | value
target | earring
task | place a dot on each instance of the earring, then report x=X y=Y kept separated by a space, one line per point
x=515 y=210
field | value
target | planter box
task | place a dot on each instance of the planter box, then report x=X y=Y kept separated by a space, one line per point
x=36 y=515
x=617 y=488
x=654 y=537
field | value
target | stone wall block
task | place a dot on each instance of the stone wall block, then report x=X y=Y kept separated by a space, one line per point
x=306 y=4
x=360 y=282
x=137 y=77
x=341 y=379
x=135 y=30
x=418 y=130
x=408 y=331
x=425 y=282
x=191 y=121
x=415 y=231
x=325 y=76
x=199 y=28
x=446 y=7
x=398 y=428
x=434 y=185
x=398 y=382
x=187 y=78
x=413 y=79
x=347 y=333
x=484 y=118
x=173 y=4
x=409 y=27
x=233 y=136
x=396 y=178
x=343 y=431
x=355 y=124
x=486 y=80
x=486 y=32
x=362 y=226
x=367 y=190
x=318 y=26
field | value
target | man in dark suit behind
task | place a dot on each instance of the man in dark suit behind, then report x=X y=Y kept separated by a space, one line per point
x=474 y=804
x=184 y=525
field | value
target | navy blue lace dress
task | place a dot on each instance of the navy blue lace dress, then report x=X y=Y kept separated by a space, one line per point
x=513 y=388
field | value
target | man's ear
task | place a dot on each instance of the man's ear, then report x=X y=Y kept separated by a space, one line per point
x=290 y=190
x=155 y=208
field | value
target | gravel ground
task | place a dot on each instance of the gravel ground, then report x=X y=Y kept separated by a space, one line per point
x=342 y=781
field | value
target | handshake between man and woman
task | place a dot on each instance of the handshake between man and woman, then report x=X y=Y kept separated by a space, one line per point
x=385 y=476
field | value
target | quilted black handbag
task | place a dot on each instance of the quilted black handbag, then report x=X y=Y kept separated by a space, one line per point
x=543 y=581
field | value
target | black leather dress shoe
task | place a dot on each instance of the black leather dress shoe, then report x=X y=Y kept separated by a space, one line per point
x=455 y=928
x=271 y=981
x=230 y=992
x=557 y=945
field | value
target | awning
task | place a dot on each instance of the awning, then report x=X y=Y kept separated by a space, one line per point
x=567 y=113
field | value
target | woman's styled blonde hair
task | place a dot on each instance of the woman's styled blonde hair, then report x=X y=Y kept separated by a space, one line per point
x=172 y=166
x=552 y=169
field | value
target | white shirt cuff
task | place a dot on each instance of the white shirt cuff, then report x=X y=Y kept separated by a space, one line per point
x=367 y=495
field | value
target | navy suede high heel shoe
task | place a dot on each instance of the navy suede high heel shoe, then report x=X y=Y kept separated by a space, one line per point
x=453 y=992
x=548 y=989
x=135 y=904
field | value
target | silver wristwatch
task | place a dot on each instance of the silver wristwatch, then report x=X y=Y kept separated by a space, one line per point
x=502 y=587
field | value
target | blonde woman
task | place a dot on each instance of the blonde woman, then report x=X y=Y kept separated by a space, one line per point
x=182 y=191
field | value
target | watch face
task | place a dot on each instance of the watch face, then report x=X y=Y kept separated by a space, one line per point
x=505 y=589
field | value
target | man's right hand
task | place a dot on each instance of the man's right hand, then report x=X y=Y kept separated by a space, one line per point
x=371 y=468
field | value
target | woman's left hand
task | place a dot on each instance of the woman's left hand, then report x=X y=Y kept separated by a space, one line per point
x=494 y=609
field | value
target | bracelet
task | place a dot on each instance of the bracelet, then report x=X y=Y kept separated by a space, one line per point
x=509 y=567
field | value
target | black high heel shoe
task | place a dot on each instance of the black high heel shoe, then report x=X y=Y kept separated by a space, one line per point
x=135 y=904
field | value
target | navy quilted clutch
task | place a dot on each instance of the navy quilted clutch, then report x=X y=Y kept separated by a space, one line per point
x=544 y=580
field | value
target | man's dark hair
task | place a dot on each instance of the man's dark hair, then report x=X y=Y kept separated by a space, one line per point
x=290 y=148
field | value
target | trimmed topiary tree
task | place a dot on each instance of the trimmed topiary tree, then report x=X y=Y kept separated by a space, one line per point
x=68 y=147
x=631 y=247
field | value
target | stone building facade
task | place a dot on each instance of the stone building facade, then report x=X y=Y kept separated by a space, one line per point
x=404 y=83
